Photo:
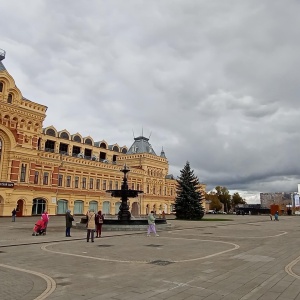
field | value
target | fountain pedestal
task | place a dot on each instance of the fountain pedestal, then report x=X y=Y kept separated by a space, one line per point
x=124 y=215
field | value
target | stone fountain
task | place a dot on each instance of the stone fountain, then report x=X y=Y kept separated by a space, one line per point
x=124 y=215
x=124 y=220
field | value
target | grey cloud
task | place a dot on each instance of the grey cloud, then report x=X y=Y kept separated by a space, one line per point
x=215 y=81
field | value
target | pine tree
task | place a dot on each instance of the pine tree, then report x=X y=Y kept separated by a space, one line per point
x=188 y=202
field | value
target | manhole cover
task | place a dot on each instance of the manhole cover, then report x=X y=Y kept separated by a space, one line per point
x=2 y=252
x=104 y=246
x=161 y=262
x=153 y=245
x=207 y=233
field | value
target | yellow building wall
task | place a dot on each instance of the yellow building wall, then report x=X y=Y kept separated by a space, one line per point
x=24 y=152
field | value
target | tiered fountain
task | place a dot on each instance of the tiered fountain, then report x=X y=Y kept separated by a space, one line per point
x=124 y=220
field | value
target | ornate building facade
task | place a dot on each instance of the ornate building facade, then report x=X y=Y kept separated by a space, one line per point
x=46 y=169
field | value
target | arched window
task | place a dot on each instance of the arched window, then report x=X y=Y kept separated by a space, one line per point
x=116 y=149
x=77 y=138
x=124 y=150
x=103 y=145
x=88 y=142
x=1 y=87
x=9 y=98
x=64 y=136
x=50 y=131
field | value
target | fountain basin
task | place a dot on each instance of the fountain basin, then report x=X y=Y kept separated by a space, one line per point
x=137 y=224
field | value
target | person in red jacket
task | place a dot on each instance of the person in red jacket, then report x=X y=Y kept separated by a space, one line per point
x=45 y=218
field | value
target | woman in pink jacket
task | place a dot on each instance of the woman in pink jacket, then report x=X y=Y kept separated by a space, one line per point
x=45 y=218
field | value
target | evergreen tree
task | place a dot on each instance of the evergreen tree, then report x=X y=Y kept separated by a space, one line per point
x=188 y=204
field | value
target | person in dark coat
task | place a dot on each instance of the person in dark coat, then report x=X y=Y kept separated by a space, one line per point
x=69 y=220
x=13 y=214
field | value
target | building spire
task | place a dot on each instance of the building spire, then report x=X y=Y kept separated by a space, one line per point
x=162 y=153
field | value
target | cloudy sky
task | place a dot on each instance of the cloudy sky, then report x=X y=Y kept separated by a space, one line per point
x=213 y=82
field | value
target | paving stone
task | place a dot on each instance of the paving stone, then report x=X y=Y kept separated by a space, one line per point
x=118 y=266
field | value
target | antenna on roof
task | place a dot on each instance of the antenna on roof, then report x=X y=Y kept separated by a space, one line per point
x=142 y=131
x=133 y=134
x=150 y=135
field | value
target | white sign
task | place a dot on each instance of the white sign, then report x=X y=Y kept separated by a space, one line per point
x=53 y=200
x=297 y=202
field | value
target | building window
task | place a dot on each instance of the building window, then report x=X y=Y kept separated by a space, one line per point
x=160 y=190
x=1 y=87
x=51 y=132
x=77 y=138
x=9 y=98
x=165 y=191
x=138 y=186
x=110 y=185
x=98 y=184
x=91 y=183
x=23 y=173
x=132 y=186
x=36 y=177
x=46 y=178
x=60 y=180
x=171 y=192
x=76 y=182
x=104 y=184
x=88 y=142
x=68 y=183
x=148 y=189
x=116 y=185
x=64 y=135
x=84 y=183
x=154 y=190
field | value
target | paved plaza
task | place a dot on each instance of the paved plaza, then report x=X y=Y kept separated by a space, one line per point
x=244 y=257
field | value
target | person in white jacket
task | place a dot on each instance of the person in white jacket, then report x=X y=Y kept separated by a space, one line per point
x=90 y=226
x=151 y=224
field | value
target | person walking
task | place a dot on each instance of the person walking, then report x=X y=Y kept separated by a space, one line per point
x=151 y=224
x=45 y=218
x=99 y=220
x=13 y=214
x=69 y=220
x=276 y=216
x=90 y=226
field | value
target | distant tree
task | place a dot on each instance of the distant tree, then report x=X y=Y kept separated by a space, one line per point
x=224 y=197
x=237 y=199
x=215 y=203
x=188 y=204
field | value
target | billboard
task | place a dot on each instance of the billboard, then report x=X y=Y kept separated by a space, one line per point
x=296 y=200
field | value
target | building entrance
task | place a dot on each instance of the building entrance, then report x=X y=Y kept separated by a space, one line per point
x=106 y=207
x=62 y=206
x=38 y=206
x=93 y=205
x=78 y=207
x=135 y=209
x=20 y=205
x=117 y=207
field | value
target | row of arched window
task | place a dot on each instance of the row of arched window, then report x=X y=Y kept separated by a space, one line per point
x=76 y=138
x=153 y=172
